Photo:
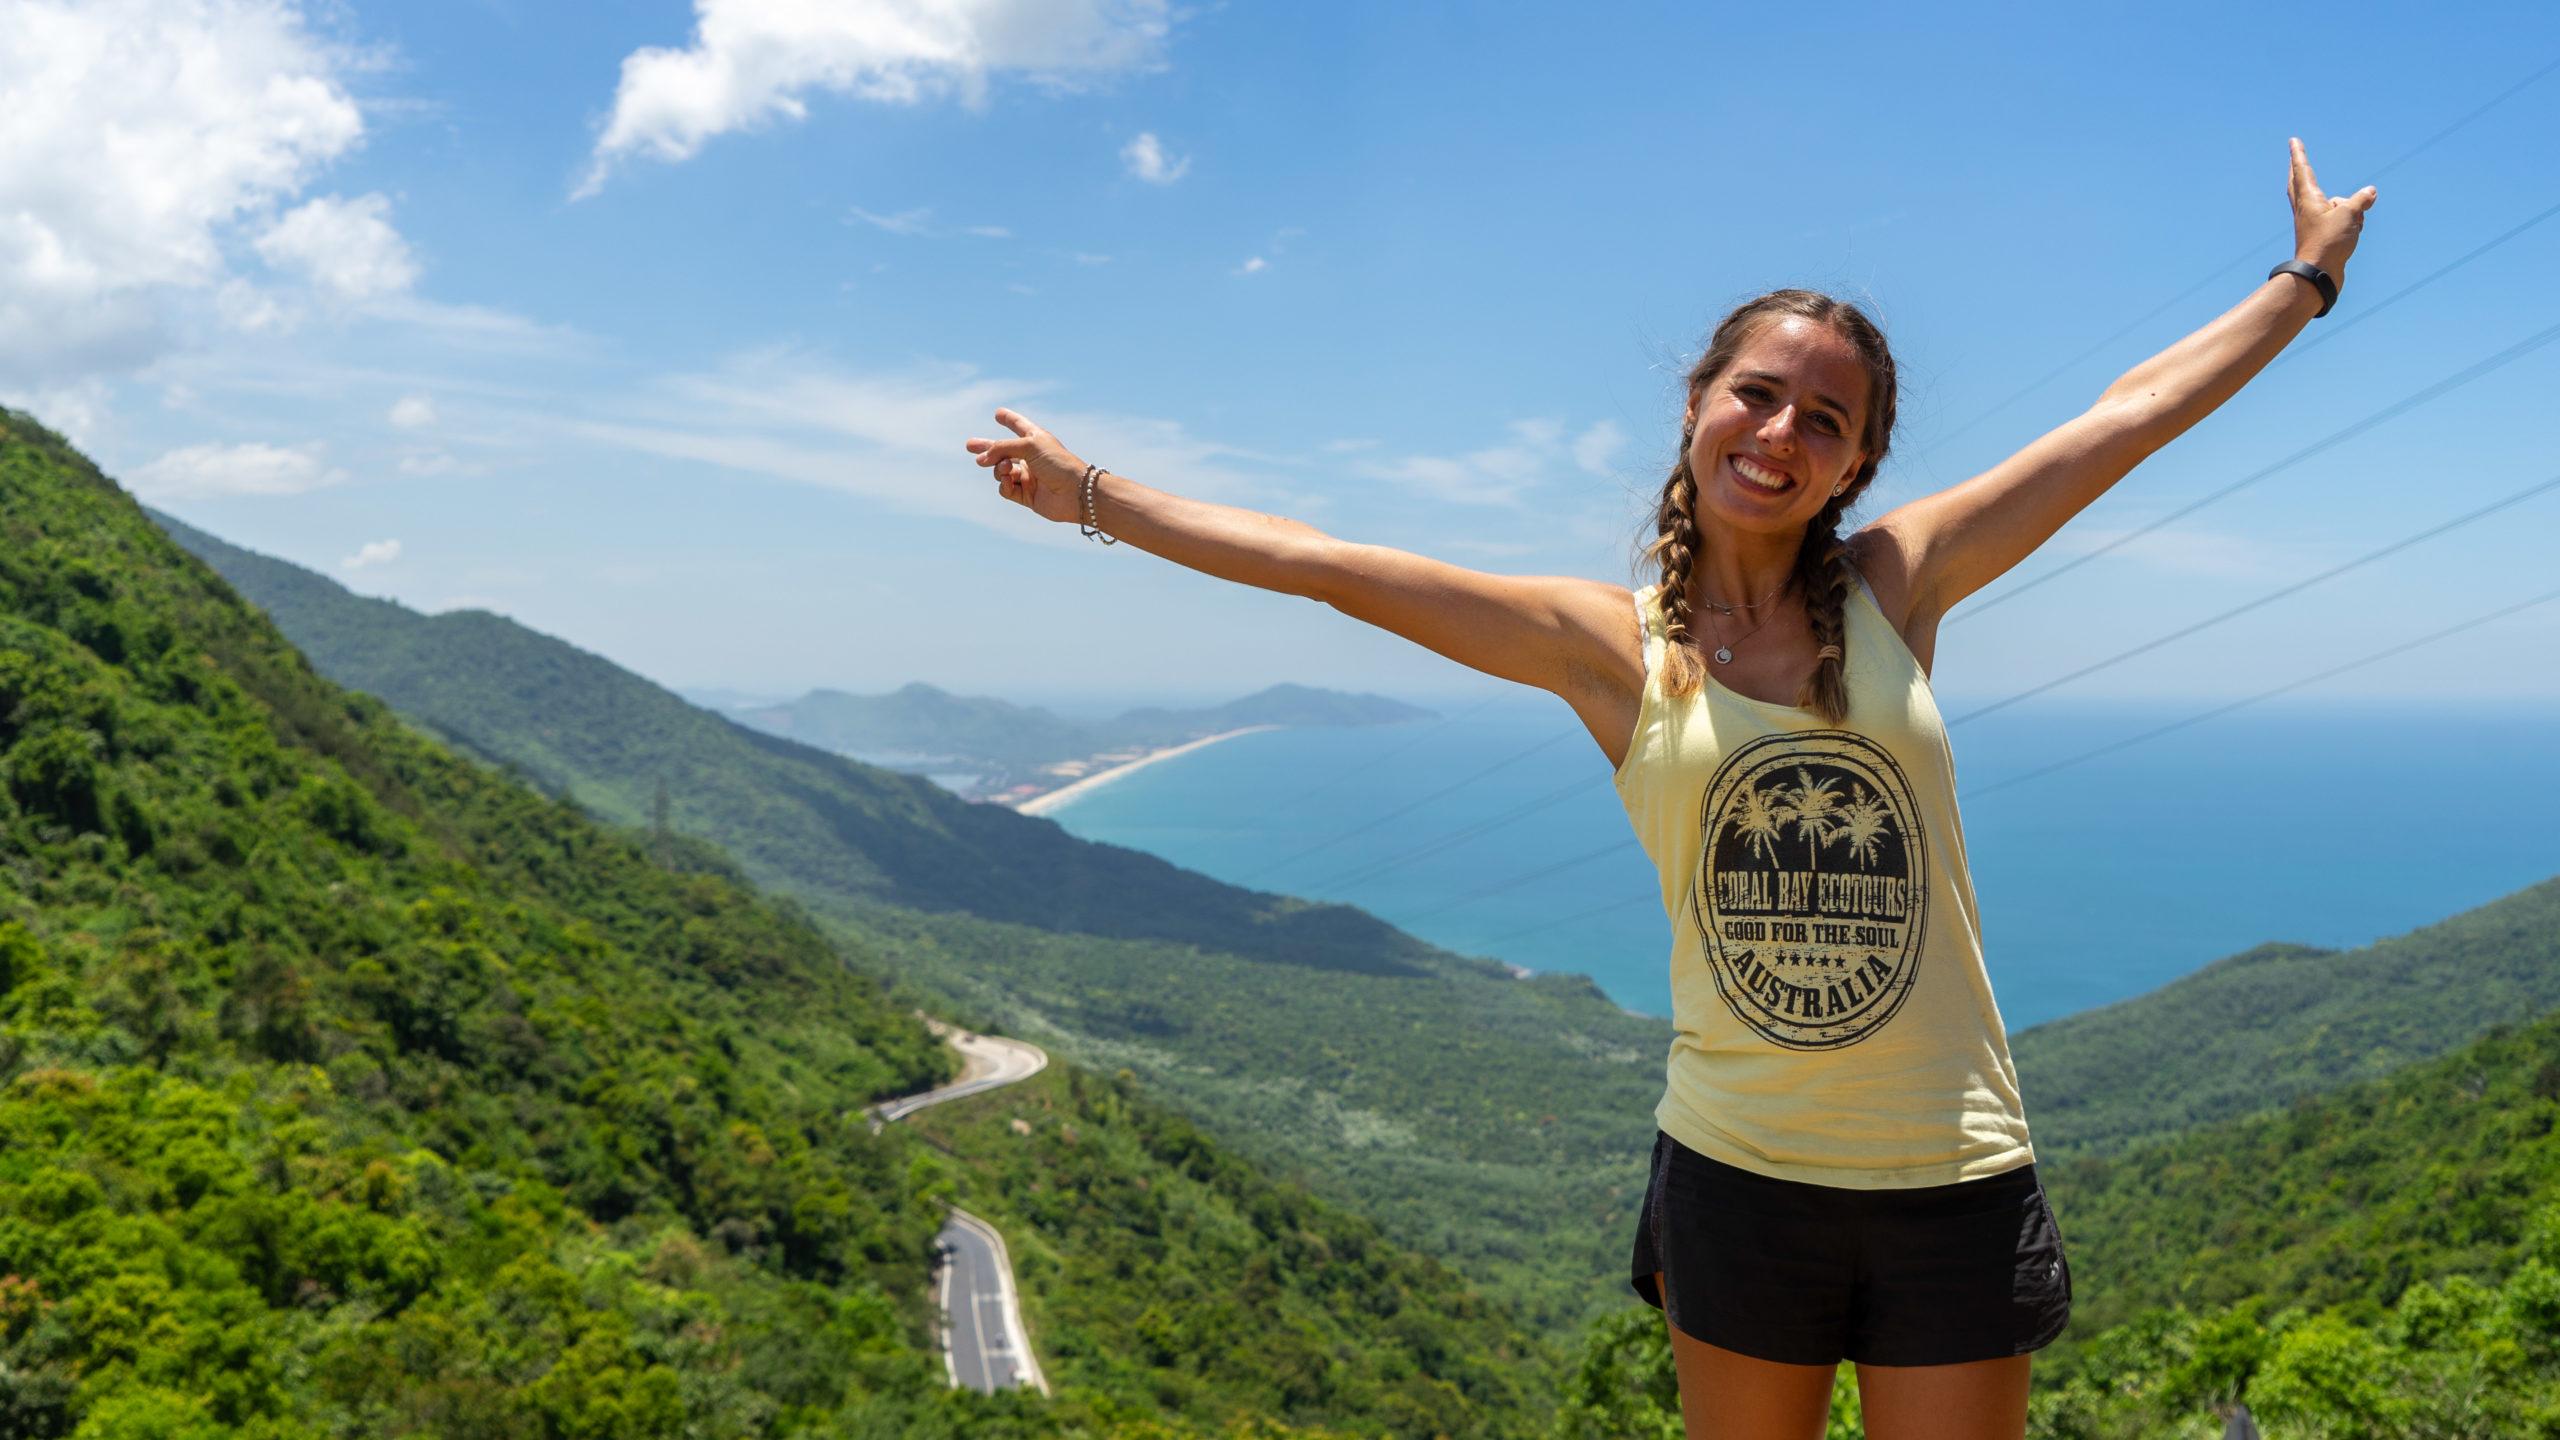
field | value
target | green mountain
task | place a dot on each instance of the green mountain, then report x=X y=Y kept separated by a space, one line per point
x=1501 y=1124
x=350 y=1087
x=918 y=725
x=2260 y=1028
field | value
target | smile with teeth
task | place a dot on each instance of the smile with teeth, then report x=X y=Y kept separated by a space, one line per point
x=1759 y=477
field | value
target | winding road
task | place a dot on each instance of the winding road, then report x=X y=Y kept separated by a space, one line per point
x=984 y=1344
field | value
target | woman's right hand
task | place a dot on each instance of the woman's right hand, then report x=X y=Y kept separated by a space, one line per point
x=1033 y=469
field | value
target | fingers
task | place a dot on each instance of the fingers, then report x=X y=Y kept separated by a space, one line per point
x=1013 y=421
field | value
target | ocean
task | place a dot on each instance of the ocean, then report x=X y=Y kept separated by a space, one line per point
x=2327 y=824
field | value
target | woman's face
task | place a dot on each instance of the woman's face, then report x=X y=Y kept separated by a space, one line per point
x=1778 y=429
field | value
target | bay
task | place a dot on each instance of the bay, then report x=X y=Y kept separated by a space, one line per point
x=2331 y=824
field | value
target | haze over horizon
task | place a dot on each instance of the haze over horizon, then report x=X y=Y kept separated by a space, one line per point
x=661 y=335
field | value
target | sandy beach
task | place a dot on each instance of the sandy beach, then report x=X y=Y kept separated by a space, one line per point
x=1043 y=804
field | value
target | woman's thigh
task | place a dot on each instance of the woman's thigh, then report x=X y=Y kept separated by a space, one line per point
x=1726 y=1395
x=1977 y=1400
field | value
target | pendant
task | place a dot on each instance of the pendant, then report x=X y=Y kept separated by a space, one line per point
x=1723 y=656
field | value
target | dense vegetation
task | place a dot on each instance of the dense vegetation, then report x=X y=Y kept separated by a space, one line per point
x=2381 y=1262
x=350 y=1087
x=2259 y=1028
x=1500 y=1124
x=1152 y=1262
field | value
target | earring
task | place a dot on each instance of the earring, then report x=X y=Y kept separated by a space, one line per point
x=1836 y=489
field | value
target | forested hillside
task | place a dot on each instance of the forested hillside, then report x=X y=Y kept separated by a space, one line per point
x=1500 y=1124
x=349 y=1086
x=2259 y=1028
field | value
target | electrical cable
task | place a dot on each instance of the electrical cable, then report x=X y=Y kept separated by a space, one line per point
x=1354 y=879
x=2474 y=622
x=2256 y=248
x=1425 y=800
x=1261 y=818
x=2442 y=387
x=2405 y=646
x=2270 y=597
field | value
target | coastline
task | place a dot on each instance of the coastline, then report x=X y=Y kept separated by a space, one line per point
x=1043 y=804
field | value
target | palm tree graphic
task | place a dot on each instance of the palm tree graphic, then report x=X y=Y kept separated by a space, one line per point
x=1813 y=808
x=1864 y=821
x=1756 y=815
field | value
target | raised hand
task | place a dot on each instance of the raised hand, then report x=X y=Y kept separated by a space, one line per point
x=1033 y=469
x=2324 y=227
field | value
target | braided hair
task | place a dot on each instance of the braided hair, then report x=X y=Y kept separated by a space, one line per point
x=1822 y=570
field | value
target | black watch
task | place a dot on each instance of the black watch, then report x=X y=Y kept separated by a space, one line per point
x=2318 y=277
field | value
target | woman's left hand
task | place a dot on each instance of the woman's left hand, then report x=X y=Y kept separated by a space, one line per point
x=2324 y=227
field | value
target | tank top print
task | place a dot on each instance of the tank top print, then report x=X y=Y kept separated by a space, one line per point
x=1833 y=1022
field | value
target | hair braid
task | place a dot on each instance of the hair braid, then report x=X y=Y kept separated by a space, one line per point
x=1824 y=576
x=1678 y=549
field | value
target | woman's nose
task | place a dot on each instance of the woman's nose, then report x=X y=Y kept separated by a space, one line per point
x=1781 y=427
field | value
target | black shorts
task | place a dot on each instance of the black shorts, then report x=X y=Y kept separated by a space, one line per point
x=1815 y=1274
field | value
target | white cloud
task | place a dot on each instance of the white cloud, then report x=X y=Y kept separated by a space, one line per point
x=1254 y=266
x=413 y=412
x=1083 y=257
x=1146 y=159
x=1498 y=476
x=1595 y=448
x=374 y=552
x=895 y=439
x=905 y=222
x=345 y=247
x=919 y=222
x=137 y=138
x=77 y=412
x=200 y=472
x=425 y=464
x=752 y=62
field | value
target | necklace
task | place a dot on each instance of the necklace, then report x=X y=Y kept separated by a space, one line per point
x=1724 y=652
x=1763 y=600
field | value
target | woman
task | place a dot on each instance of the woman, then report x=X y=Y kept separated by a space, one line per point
x=1842 y=1169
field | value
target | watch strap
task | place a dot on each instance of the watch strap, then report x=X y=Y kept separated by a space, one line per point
x=2318 y=277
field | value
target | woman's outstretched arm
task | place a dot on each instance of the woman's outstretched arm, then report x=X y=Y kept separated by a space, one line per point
x=1948 y=545
x=1547 y=631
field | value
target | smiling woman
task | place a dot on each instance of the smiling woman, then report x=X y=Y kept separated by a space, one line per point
x=1843 y=1168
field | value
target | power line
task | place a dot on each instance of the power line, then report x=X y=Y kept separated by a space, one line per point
x=2256 y=247
x=1600 y=909
x=1425 y=800
x=1542 y=872
x=2270 y=597
x=2110 y=748
x=2442 y=387
x=2403 y=648
x=1353 y=879
x=1263 y=817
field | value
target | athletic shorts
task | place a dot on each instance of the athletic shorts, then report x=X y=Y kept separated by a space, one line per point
x=1815 y=1274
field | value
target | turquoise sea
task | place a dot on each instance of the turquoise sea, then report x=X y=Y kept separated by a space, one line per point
x=2329 y=824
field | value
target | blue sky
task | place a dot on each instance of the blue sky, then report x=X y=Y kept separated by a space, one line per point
x=659 y=327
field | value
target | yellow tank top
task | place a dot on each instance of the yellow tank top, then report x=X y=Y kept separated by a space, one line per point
x=1833 y=1021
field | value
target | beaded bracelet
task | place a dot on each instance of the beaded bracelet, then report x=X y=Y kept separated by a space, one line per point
x=1091 y=532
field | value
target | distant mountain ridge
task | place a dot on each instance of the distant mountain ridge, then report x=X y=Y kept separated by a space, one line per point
x=920 y=727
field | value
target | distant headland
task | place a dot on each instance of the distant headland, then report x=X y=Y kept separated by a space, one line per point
x=1034 y=760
